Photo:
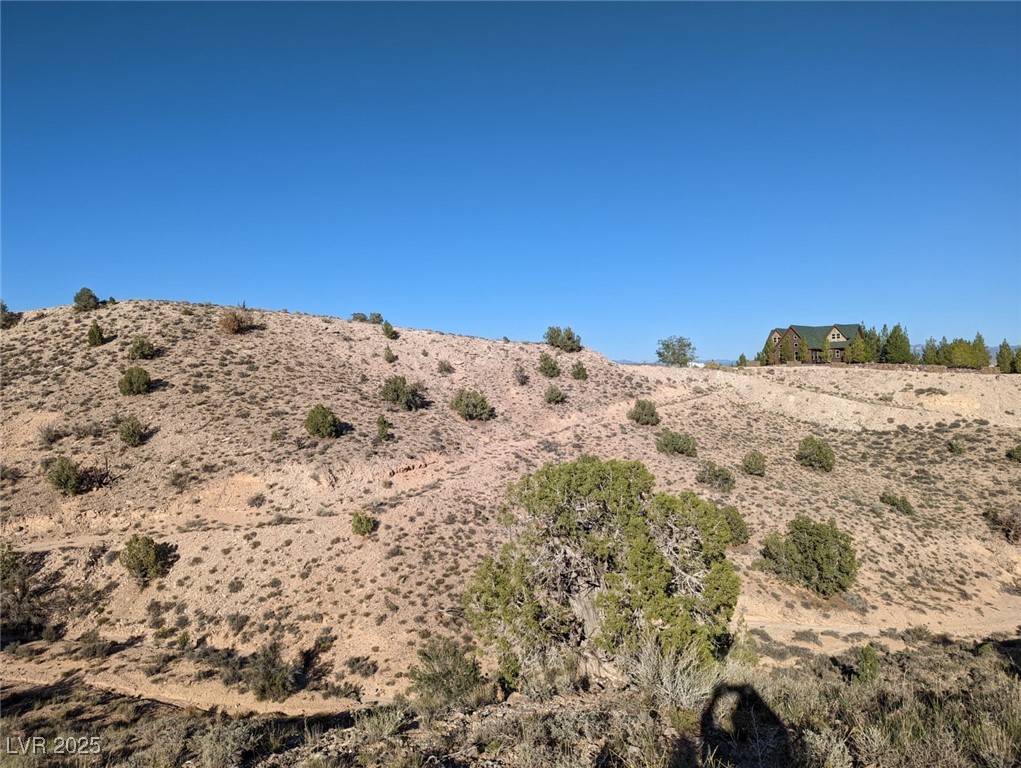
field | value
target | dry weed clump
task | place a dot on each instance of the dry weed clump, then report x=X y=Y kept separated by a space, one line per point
x=235 y=321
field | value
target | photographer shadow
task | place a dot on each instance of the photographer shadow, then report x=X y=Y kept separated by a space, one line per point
x=738 y=728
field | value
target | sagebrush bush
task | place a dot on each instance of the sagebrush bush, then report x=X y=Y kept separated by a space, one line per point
x=520 y=374
x=396 y=390
x=388 y=355
x=563 y=338
x=670 y=442
x=268 y=675
x=388 y=330
x=815 y=453
x=64 y=475
x=141 y=349
x=375 y=318
x=1008 y=523
x=815 y=555
x=235 y=320
x=736 y=523
x=322 y=422
x=554 y=395
x=144 y=559
x=578 y=372
x=131 y=431
x=900 y=503
x=548 y=366
x=445 y=678
x=363 y=524
x=1014 y=454
x=715 y=476
x=135 y=381
x=95 y=334
x=444 y=367
x=472 y=405
x=644 y=413
x=383 y=428
x=754 y=463
x=85 y=300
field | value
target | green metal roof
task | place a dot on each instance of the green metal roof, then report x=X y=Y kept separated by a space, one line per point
x=814 y=334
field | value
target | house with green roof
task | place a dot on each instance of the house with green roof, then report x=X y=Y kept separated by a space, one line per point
x=839 y=336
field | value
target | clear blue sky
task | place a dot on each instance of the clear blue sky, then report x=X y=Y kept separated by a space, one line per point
x=632 y=170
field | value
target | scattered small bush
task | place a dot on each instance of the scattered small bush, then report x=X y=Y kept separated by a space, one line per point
x=235 y=321
x=548 y=366
x=268 y=675
x=578 y=372
x=956 y=447
x=900 y=503
x=396 y=390
x=375 y=318
x=814 y=555
x=554 y=395
x=444 y=367
x=644 y=413
x=388 y=330
x=144 y=559
x=359 y=317
x=8 y=319
x=388 y=355
x=141 y=349
x=472 y=405
x=563 y=338
x=815 y=453
x=445 y=678
x=363 y=524
x=520 y=374
x=754 y=463
x=383 y=428
x=1014 y=454
x=131 y=431
x=736 y=523
x=92 y=645
x=95 y=334
x=1009 y=523
x=85 y=300
x=64 y=475
x=322 y=422
x=676 y=442
x=135 y=381
x=715 y=476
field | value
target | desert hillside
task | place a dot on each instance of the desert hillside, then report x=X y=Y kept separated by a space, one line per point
x=260 y=513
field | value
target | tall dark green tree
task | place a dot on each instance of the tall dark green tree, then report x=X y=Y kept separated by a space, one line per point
x=897 y=348
x=786 y=351
x=1005 y=357
x=742 y=361
x=930 y=352
x=1016 y=367
x=872 y=346
x=884 y=337
x=768 y=352
x=827 y=350
x=857 y=351
x=803 y=354
x=675 y=350
x=980 y=356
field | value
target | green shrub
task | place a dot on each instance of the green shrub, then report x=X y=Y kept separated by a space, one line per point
x=867 y=670
x=322 y=422
x=644 y=413
x=23 y=609
x=141 y=349
x=375 y=318
x=676 y=442
x=956 y=447
x=268 y=675
x=135 y=381
x=715 y=476
x=85 y=300
x=95 y=334
x=754 y=463
x=900 y=503
x=235 y=321
x=359 y=317
x=472 y=405
x=144 y=559
x=64 y=475
x=131 y=431
x=736 y=523
x=563 y=338
x=363 y=524
x=388 y=330
x=554 y=395
x=383 y=428
x=578 y=372
x=444 y=367
x=445 y=678
x=396 y=390
x=815 y=453
x=548 y=366
x=814 y=555
x=1014 y=454
x=520 y=374
x=388 y=355
x=622 y=584
x=8 y=319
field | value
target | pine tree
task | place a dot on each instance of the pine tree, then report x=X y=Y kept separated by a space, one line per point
x=786 y=352
x=1005 y=357
x=897 y=348
x=884 y=338
x=857 y=351
x=803 y=354
x=827 y=350
x=930 y=353
x=872 y=346
x=95 y=334
x=979 y=352
x=742 y=361
x=768 y=352
x=1016 y=366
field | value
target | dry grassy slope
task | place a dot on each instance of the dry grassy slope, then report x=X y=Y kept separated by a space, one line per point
x=294 y=563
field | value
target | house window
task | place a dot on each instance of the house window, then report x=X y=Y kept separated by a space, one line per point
x=836 y=354
x=834 y=336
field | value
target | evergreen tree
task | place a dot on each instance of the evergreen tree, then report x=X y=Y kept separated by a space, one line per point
x=872 y=346
x=95 y=335
x=786 y=352
x=884 y=337
x=1005 y=357
x=768 y=352
x=897 y=347
x=742 y=361
x=943 y=353
x=857 y=351
x=1016 y=367
x=979 y=352
x=803 y=354
x=930 y=353
x=827 y=351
